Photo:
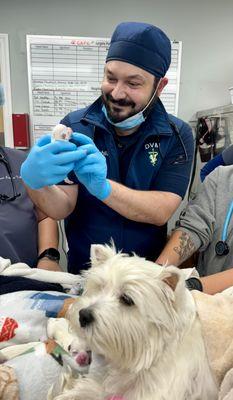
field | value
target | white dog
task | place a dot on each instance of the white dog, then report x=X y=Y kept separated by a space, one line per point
x=142 y=320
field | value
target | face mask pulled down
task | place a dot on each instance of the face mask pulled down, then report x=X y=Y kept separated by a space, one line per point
x=134 y=120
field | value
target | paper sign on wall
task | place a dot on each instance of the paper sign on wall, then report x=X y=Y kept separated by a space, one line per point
x=65 y=73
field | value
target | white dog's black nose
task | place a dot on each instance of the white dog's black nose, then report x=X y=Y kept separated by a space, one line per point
x=85 y=317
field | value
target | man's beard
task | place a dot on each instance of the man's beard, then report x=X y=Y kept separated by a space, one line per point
x=107 y=98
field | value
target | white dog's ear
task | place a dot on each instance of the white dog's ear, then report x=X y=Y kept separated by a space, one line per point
x=101 y=253
x=171 y=276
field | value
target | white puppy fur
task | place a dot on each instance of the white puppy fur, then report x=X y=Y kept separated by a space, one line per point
x=58 y=329
x=142 y=320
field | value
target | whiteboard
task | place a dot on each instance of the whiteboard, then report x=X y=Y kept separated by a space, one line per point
x=65 y=74
x=6 y=81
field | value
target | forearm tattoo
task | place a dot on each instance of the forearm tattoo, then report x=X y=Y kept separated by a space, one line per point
x=186 y=247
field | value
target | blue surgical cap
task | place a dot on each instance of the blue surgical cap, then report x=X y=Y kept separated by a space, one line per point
x=143 y=45
x=2 y=97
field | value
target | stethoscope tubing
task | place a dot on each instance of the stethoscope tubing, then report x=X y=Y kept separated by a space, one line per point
x=4 y=159
x=227 y=221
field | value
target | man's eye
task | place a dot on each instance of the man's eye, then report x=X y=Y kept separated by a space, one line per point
x=126 y=300
x=134 y=84
x=110 y=79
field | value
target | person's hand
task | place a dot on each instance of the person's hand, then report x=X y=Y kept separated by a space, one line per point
x=49 y=163
x=91 y=171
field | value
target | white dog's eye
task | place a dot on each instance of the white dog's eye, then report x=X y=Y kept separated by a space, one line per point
x=126 y=300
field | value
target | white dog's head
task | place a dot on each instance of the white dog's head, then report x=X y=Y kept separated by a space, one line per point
x=131 y=309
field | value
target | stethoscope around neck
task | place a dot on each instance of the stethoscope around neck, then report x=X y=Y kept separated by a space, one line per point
x=221 y=247
x=4 y=198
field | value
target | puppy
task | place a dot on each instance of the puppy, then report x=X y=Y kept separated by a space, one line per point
x=58 y=329
x=141 y=320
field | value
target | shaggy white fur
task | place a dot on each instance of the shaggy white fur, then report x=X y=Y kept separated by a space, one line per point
x=142 y=320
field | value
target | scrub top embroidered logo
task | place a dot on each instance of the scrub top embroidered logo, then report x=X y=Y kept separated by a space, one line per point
x=153 y=156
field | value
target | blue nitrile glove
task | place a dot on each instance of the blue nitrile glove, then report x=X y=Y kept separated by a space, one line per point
x=91 y=171
x=49 y=162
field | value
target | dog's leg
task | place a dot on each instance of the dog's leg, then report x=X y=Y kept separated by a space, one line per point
x=84 y=388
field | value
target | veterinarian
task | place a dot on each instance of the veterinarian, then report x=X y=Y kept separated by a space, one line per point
x=132 y=162
x=206 y=226
x=26 y=234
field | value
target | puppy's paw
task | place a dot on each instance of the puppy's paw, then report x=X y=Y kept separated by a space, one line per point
x=52 y=325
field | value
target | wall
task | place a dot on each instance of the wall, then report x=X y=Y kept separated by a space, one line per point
x=205 y=28
x=1 y=121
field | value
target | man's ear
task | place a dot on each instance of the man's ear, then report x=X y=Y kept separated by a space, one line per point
x=163 y=82
x=101 y=253
x=171 y=276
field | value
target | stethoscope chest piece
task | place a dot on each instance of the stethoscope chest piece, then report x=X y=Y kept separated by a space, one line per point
x=221 y=248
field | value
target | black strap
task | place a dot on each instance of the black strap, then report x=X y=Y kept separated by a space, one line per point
x=193 y=169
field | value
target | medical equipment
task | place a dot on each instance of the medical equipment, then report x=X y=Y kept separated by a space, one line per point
x=178 y=136
x=4 y=197
x=221 y=247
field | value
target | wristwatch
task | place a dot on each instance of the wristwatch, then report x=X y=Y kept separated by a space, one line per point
x=194 y=284
x=51 y=254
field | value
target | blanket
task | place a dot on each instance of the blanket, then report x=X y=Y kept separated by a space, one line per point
x=29 y=364
x=8 y=384
x=67 y=280
x=38 y=368
x=28 y=321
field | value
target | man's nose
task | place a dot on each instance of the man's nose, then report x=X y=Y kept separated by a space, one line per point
x=118 y=92
x=86 y=317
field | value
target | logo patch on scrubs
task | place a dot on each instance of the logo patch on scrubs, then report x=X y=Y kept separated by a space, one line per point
x=153 y=155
